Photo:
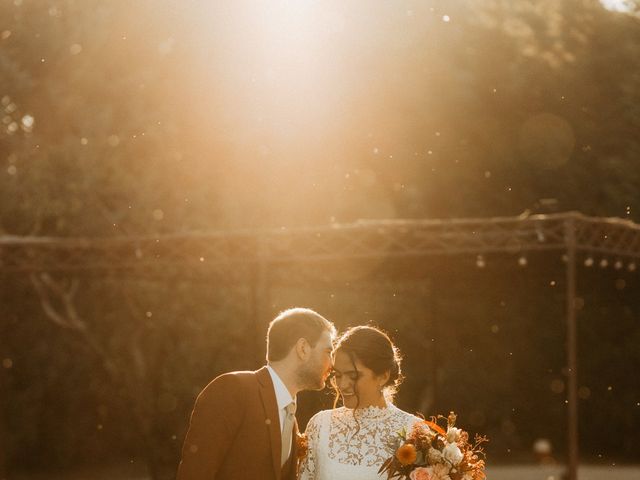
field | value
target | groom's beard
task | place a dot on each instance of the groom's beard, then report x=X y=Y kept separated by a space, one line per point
x=311 y=377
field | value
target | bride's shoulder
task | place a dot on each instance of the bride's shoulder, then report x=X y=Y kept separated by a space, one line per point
x=323 y=414
x=406 y=417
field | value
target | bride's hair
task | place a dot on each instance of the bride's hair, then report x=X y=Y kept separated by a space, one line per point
x=375 y=350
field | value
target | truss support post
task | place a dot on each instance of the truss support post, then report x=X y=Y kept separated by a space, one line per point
x=260 y=302
x=3 y=433
x=3 y=388
x=572 y=357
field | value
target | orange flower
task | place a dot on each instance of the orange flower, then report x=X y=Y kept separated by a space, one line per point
x=436 y=427
x=407 y=454
x=303 y=446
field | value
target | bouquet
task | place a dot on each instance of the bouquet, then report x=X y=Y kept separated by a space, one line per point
x=429 y=452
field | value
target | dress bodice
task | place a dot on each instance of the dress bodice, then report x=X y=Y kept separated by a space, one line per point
x=346 y=444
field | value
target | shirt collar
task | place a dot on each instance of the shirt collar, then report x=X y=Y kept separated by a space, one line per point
x=283 y=397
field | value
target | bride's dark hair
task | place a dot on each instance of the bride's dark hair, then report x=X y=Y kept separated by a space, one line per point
x=375 y=350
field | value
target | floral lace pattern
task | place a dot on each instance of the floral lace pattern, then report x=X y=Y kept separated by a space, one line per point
x=361 y=439
x=365 y=436
x=307 y=468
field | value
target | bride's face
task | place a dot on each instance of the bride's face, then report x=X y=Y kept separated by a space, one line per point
x=357 y=379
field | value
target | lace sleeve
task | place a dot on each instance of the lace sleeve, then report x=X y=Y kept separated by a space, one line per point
x=312 y=432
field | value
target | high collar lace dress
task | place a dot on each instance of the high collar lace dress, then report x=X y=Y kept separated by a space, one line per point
x=352 y=445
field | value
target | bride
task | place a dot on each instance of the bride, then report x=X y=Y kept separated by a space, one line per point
x=353 y=441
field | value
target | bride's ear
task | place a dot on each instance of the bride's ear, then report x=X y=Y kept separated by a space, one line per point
x=384 y=377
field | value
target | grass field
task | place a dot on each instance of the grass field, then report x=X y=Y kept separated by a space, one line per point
x=511 y=472
x=529 y=472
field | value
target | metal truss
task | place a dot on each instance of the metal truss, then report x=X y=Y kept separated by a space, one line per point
x=373 y=239
x=280 y=256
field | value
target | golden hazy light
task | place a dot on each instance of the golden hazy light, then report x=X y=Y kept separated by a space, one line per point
x=546 y=140
x=624 y=6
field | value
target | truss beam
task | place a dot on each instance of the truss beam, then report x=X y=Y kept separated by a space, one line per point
x=361 y=240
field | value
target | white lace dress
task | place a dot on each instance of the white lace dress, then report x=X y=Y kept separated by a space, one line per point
x=339 y=450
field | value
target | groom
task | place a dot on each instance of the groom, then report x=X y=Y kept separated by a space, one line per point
x=243 y=423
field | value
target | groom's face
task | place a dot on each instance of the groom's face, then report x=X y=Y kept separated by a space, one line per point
x=315 y=371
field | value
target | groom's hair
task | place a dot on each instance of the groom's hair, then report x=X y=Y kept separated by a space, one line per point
x=290 y=326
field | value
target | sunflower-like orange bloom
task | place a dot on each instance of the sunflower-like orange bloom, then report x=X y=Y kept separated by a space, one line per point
x=407 y=454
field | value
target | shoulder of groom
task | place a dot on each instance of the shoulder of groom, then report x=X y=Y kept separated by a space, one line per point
x=239 y=375
x=230 y=383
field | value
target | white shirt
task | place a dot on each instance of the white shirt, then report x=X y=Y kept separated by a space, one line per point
x=283 y=397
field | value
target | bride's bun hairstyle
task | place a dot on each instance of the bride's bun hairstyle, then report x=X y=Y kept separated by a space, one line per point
x=376 y=351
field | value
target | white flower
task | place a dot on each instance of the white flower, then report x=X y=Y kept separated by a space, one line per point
x=452 y=454
x=434 y=456
x=453 y=434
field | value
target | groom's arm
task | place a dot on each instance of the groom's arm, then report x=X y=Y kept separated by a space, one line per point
x=216 y=417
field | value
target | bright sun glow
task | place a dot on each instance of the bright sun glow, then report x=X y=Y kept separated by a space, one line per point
x=276 y=64
x=618 y=5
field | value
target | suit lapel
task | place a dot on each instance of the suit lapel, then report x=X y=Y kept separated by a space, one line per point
x=272 y=416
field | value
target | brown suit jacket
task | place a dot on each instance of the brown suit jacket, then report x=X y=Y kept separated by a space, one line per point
x=234 y=432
